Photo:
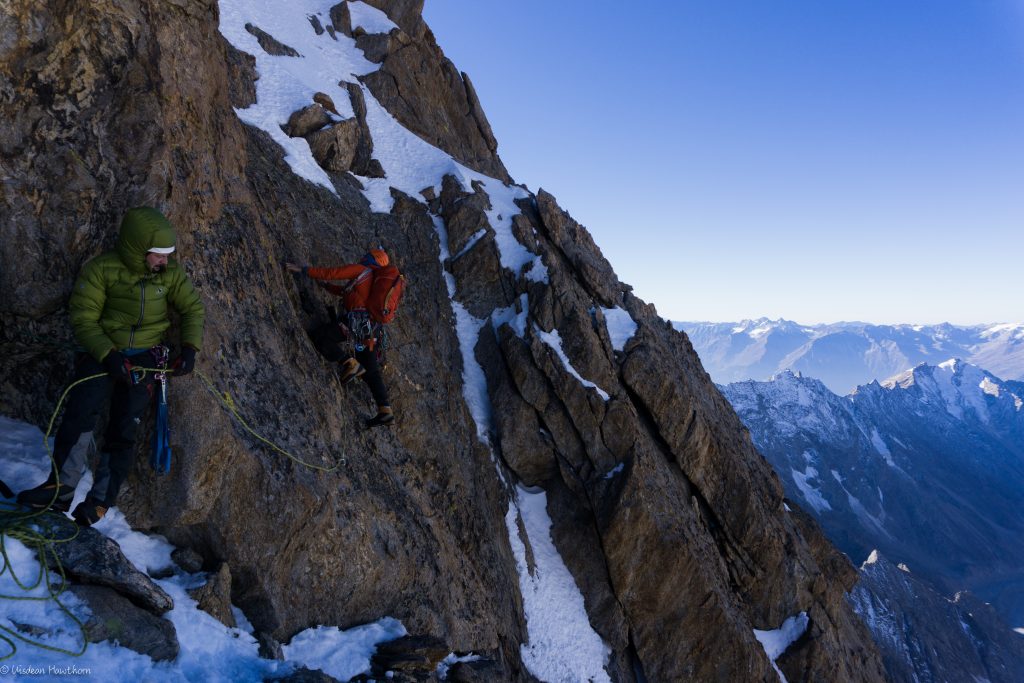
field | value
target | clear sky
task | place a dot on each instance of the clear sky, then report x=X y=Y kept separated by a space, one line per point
x=807 y=159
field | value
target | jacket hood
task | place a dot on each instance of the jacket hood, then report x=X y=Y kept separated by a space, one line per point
x=142 y=229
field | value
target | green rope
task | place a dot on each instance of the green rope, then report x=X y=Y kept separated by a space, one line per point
x=19 y=524
x=228 y=402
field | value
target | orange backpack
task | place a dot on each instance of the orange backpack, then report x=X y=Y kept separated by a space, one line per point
x=385 y=294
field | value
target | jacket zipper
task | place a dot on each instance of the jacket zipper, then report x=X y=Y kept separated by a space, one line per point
x=142 y=313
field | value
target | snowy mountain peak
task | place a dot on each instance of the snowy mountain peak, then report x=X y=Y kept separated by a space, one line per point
x=845 y=355
x=958 y=386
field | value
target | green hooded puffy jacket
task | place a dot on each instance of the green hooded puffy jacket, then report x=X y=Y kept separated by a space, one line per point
x=118 y=303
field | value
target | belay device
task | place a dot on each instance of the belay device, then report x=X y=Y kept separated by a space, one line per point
x=161 y=456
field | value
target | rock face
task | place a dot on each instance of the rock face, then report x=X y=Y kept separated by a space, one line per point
x=924 y=636
x=669 y=522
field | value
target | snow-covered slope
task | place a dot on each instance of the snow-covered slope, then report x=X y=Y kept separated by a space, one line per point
x=844 y=355
x=927 y=466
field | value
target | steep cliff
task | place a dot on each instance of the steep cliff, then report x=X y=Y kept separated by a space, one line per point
x=518 y=402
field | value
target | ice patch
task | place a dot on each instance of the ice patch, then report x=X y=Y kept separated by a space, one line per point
x=621 y=326
x=778 y=641
x=561 y=644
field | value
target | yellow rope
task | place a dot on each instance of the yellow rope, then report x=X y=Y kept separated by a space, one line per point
x=18 y=524
x=229 y=403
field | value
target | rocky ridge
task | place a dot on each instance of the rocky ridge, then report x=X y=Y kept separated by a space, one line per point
x=924 y=636
x=670 y=522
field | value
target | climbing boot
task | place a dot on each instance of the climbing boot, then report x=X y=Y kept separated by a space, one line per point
x=89 y=511
x=385 y=417
x=48 y=495
x=350 y=370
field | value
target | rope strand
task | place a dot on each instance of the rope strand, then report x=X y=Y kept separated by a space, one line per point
x=21 y=525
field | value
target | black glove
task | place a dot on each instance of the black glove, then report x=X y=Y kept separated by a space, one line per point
x=118 y=367
x=186 y=362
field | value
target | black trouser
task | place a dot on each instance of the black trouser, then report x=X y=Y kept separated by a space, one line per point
x=85 y=402
x=329 y=338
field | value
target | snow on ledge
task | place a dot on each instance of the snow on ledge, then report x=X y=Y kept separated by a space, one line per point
x=562 y=645
x=778 y=641
x=621 y=326
x=554 y=342
x=370 y=19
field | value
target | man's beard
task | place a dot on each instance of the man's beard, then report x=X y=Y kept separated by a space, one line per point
x=158 y=269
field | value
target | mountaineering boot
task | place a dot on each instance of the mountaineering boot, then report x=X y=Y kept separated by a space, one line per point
x=89 y=511
x=384 y=418
x=350 y=370
x=48 y=495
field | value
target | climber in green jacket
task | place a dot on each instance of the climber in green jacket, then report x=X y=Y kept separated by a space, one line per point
x=119 y=314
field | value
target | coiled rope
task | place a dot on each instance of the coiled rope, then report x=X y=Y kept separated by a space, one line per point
x=21 y=525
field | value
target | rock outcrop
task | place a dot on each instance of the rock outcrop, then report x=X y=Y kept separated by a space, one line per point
x=668 y=520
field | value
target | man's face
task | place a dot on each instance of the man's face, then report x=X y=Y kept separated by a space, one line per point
x=156 y=262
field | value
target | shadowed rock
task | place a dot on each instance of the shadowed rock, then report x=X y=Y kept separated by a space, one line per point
x=90 y=557
x=115 y=618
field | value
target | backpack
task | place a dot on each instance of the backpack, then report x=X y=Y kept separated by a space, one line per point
x=385 y=294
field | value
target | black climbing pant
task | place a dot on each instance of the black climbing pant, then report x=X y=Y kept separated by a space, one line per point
x=330 y=339
x=85 y=402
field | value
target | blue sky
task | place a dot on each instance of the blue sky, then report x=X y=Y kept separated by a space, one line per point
x=818 y=161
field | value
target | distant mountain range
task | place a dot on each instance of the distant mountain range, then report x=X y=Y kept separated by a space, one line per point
x=845 y=355
x=927 y=467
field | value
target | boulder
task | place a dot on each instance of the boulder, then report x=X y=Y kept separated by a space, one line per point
x=307 y=120
x=334 y=147
x=115 y=618
x=92 y=558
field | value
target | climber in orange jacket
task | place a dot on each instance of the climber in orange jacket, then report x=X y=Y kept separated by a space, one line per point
x=365 y=332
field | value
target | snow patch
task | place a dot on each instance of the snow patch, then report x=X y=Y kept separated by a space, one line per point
x=561 y=644
x=370 y=19
x=517 y=321
x=286 y=84
x=554 y=342
x=621 y=326
x=810 y=493
x=341 y=654
x=883 y=450
x=778 y=641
